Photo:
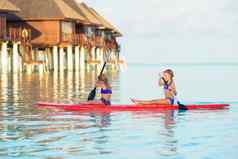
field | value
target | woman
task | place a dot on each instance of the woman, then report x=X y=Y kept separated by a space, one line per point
x=167 y=81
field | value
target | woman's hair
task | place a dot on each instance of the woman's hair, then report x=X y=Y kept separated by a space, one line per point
x=170 y=72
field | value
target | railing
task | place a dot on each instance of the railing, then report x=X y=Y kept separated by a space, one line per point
x=19 y=34
x=76 y=39
x=67 y=37
x=99 y=41
x=111 y=44
x=83 y=40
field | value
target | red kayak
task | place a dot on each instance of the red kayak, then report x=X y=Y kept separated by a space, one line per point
x=112 y=108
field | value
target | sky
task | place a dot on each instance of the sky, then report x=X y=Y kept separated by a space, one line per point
x=174 y=31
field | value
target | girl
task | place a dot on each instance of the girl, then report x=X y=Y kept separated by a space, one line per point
x=105 y=91
x=166 y=80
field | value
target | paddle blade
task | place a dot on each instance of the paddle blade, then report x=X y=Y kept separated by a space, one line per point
x=92 y=95
x=182 y=106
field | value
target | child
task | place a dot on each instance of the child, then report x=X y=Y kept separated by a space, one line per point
x=166 y=80
x=105 y=91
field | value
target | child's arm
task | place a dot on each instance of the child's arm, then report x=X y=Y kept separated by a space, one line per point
x=173 y=89
x=161 y=82
x=98 y=84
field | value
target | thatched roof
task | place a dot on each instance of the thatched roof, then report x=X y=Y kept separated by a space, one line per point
x=44 y=10
x=105 y=23
x=88 y=14
x=74 y=5
x=6 y=6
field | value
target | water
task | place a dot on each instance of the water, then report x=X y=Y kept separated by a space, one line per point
x=27 y=132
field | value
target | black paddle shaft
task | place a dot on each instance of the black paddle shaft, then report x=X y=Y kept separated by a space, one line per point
x=103 y=67
x=92 y=94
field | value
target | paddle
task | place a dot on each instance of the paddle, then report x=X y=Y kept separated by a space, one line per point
x=92 y=94
x=180 y=106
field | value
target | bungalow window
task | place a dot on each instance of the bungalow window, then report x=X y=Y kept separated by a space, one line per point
x=79 y=29
x=89 y=31
x=109 y=36
x=100 y=33
x=3 y=27
x=67 y=30
x=103 y=34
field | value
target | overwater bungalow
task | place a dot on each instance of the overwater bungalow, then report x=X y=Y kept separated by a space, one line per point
x=104 y=36
x=9 y=38
x=58 y=34
x=109 y=34
x=101 y=34
x=87 y=29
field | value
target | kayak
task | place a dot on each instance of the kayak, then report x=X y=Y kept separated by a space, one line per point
x=114 y=108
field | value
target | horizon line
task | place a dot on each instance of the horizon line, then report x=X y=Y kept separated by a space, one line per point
x=184 y=63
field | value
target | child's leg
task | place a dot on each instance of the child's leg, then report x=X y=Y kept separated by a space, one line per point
x=92 y=102
x=155 y=101
x=144 y=101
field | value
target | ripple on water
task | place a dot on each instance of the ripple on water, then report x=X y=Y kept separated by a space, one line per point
x=26 y=132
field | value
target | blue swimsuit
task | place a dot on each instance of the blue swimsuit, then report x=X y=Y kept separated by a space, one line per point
x=106 y=91
x=171 y=100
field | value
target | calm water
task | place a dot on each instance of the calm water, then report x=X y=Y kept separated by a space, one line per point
x=26 y=132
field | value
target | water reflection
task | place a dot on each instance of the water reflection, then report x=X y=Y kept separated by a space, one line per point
x=169 y=137
x=4 y=89
x=27 y=132
x=47 y=131
x=50 y=87
x=102 y=119
x=165 y=122
x=54 y=84
x=21 y=125
x=81 y=86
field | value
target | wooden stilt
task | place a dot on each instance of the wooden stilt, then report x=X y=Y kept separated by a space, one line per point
x=93 y=54
x=97 y=59
x=15 y=58
x=55 y=58
x=29 y=69
x=77 y=57
x=4 y=58
x=70 y=58
x=61 y=59
x=82 y=58
x=101 y=56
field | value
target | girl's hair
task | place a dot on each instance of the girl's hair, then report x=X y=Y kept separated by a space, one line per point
x=104 y=79
x=170 y=72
